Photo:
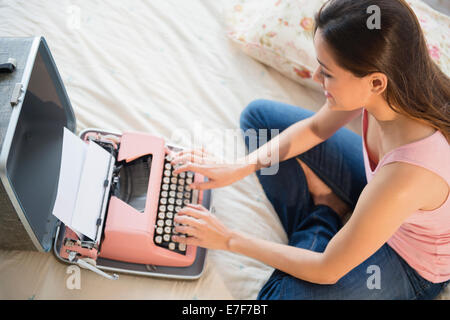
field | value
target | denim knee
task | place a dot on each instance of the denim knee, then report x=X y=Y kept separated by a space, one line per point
x=247 y=118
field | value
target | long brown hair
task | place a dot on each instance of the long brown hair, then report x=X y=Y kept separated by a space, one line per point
x=416 y=87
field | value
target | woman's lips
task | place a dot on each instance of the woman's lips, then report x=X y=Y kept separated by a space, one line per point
x=328 y=95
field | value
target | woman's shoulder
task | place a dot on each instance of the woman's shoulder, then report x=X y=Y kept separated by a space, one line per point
x=424 y=183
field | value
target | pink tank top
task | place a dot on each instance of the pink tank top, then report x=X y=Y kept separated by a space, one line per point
x=423 y=240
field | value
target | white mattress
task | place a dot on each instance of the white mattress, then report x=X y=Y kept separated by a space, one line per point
x=154 y=66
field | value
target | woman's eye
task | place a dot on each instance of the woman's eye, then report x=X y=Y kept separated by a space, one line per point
x=326 y=75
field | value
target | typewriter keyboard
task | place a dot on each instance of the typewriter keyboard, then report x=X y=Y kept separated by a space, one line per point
x=175 y=194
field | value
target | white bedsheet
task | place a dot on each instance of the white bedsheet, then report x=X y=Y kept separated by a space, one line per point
x=153 y=66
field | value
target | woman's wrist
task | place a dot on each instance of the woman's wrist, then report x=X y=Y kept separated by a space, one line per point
x=246 y=166
x=234 y=240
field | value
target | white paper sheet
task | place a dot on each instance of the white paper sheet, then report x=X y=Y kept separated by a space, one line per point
x=72 y=160
x=84 y=169
x=91 y=192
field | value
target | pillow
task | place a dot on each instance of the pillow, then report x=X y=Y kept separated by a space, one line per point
x=279 y=33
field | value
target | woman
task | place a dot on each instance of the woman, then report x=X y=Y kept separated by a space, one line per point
x=396 y=244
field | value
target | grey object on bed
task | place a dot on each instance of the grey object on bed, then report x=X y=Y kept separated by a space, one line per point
x=30 y=144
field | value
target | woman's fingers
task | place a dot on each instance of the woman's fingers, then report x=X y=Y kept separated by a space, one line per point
x=193 y=241
x=189 y=158
x=189 y=221
x=191 y=167
x=197 y=207
x=187 y=230
x=190 y=210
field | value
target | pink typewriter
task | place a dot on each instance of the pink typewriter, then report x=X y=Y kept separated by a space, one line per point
x=135 y=222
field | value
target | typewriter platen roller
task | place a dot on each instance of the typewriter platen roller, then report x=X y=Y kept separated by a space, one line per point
x=144 y=197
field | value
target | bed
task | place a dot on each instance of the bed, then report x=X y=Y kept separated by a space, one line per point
x=155 y=66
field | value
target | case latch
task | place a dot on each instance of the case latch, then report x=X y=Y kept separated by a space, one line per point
x=16 y=94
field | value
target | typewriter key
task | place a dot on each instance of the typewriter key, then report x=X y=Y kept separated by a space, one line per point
x=161 y=215
x=187 y=188
x=171 y=201
x=167 y=173
x=159 y=230
x=172 y=246
x=177 y=208
x=168 y=223
x=165 y=186
x=172 y=194
x=187 y=195
x=182 y=246
x=186 y=201
x=158 y=239
x=179 y=202
x=167 y=230
x=166 y=180
x=164 y=194
x=160 y=223
x=188 y=181
x=170 y=207
x=163 y=200
x=166 y=237
x=180 y=188
x=181 y=182
x=179 y=194
x=173 y=187
x=169 y=215
x=162 y=208
x=168 y=166
x=182 y=175
x=173 y=180
x=190 y=174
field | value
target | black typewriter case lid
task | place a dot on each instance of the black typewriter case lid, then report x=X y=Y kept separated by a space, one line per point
x=34 y=109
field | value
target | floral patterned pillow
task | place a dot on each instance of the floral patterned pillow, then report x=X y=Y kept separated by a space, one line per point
x=279 y=33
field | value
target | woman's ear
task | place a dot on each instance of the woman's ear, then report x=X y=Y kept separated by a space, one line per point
x=378 y=82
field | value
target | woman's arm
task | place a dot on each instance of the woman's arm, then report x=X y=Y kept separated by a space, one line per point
x=393 y=194
x=299 y=137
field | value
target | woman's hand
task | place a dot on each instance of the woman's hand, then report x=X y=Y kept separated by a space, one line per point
x=203 y=228
x=219 y=174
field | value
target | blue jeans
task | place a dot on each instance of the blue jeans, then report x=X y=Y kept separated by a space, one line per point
x=339 y=163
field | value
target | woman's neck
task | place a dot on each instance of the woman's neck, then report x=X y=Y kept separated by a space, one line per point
x=396 y=128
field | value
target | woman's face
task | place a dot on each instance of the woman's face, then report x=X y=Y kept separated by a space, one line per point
x=342 y=89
